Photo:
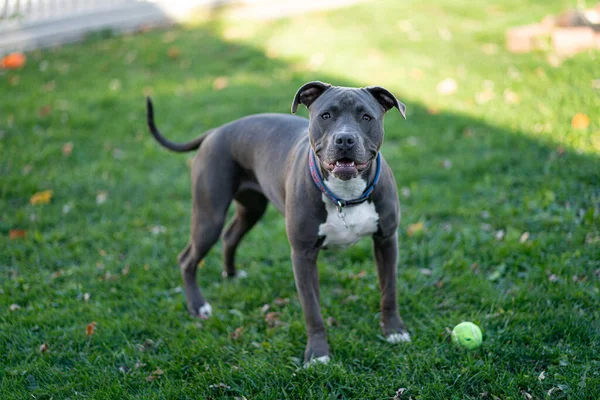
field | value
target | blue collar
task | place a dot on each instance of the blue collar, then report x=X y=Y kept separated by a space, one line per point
x=339 y=203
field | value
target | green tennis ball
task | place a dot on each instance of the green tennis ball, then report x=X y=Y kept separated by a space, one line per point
x=467 y=334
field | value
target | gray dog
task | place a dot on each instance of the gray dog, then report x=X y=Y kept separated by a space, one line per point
x=324 y=174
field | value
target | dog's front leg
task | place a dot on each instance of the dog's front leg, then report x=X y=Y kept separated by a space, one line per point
x=306 y=276
x=386 y=256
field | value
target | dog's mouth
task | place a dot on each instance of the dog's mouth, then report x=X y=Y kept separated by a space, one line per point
x=345 y=166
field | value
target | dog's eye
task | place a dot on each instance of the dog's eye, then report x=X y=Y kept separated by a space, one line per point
x=326 y=116
x=366 y=117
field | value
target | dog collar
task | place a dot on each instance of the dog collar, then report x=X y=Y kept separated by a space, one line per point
x=340 y=203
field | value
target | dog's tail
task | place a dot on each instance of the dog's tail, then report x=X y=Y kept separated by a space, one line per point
x=176 y=147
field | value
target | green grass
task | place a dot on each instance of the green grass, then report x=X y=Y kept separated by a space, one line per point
x=512 y=167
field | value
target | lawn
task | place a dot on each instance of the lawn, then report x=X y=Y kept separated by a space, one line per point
x=500 y=201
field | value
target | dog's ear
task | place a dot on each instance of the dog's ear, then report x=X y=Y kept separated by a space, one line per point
x=386 y=99
x=308 y=93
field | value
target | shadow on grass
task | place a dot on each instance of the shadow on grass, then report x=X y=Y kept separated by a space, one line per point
x=476 y=188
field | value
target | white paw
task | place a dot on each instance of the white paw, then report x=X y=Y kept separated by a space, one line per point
x=240 y=274
x=205 y=311
x=398 y=337
x=318 y=360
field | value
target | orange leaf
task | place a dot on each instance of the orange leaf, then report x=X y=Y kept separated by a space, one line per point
x=580 y=121
x=17 y=234
x=67 y=148
x=41 y=197
x=90 y=329
x=45 y=110
x=13 y=61
x=174 y=52
x=415 y=228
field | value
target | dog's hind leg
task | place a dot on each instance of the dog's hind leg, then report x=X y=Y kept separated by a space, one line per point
x=250 y=206
x=210 y=200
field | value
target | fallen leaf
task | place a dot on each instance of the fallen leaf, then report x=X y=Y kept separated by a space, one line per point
x=219 y=386
x=416 y=74
x=542 y=376
x=101 y=197
x=90 y=329
x=332 y=322
x=553 y=278
x=220 y=83
x=114 y=85
x=510 y=97
x=124 y=369
x=174 y=52
x=490 y=48
x=524 y=237
x=484 y=97
x=272 y=319
x=42 y=197
x=45 y=111
x=415 y=228
x=43 y=348
x=14 y=307
x=281 y=301
x=361 y=274
x=399 y=393
x=13 y=61
x=264 y=308
x=67 y=148
x=447 y=87
x=580 y=121
x=351 y=298
x=17 y=234
x=86 y=297
x=139 y=365
x=237 y=333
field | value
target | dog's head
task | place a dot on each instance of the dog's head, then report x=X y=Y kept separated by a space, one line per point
x=346 y=124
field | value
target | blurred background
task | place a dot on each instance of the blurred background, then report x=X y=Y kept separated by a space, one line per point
x=497 y=167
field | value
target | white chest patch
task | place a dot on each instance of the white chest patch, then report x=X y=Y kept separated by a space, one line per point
x=361 y=220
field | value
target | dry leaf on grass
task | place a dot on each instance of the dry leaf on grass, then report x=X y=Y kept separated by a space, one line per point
x=237 y=333
x=272 y=319
x=155 y=375
x=17 y=234
x=580 y=121
x=101 y=197
x=415 y=228
x=220 y=83
x=447 y=87
x=281 y=301
x=45 y=111
x=42 y=197
x=90 y=329
x=174 y=52
x=13 y=61
x=14 y=307
x=43 y=348
x=67 y=148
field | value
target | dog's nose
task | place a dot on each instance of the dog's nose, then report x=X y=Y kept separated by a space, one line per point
x=345 y=141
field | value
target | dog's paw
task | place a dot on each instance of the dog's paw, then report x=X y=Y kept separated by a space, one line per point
x=240 y=274
x=398 y=337
x=317 y=360
x=205 y=311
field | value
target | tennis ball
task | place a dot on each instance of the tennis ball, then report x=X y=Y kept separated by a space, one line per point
x=467 y=334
